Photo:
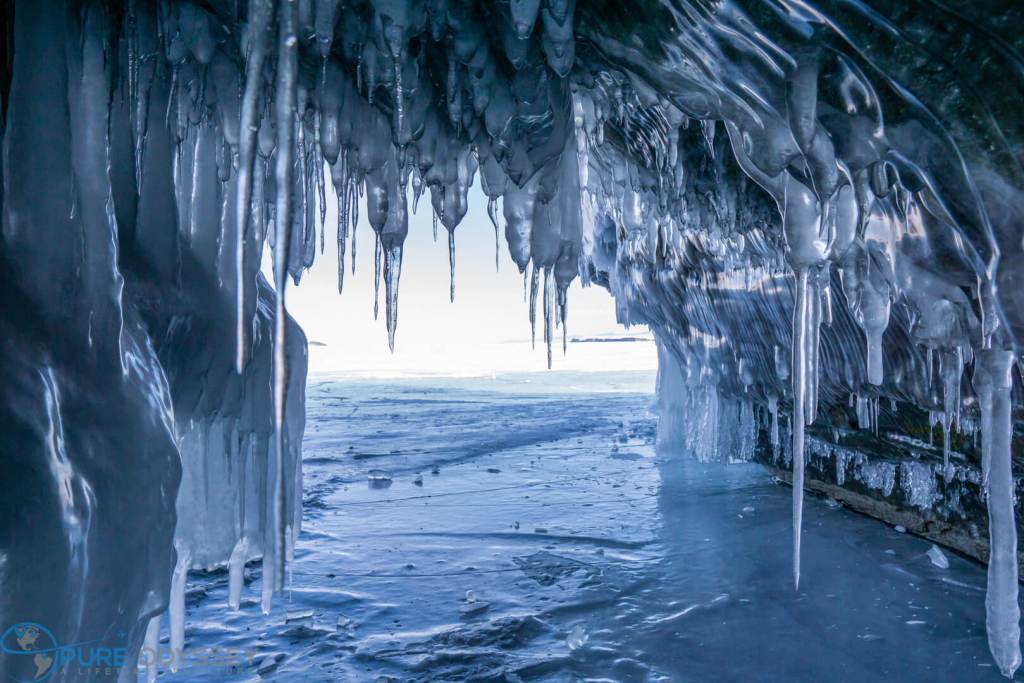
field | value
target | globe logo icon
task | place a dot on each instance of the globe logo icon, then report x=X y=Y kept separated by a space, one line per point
x=30 y=650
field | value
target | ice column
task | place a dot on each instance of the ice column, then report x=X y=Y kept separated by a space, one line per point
x=993 y=382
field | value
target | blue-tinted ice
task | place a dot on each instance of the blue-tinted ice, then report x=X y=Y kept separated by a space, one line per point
x=548 y=541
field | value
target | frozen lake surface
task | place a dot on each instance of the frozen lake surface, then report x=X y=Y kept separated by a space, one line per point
x=523 y=528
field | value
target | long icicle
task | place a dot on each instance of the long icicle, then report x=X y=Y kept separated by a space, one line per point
x=392 y=274
x=318 y=176
x=801 y=338
x=376 y=275
x=176 y=606
x=259 y=23
x=451 y=264
x=341 y=194
x=492 y=212
x=284 y=108
x=353 y=207
x=564 y=315
x=149 y=657
x=993 y=383
x=549 y=310
x=534 y=280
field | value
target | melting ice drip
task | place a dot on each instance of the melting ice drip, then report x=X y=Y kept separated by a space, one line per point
x=805 y=201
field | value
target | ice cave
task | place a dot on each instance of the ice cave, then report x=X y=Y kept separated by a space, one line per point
x=814 y=208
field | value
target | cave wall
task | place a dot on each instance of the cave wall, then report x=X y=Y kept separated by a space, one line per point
x=115 y=372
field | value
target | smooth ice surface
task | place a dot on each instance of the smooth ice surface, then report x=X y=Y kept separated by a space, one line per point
x=549 y=540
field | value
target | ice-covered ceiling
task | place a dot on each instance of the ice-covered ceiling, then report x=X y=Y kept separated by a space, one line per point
x=812 y=204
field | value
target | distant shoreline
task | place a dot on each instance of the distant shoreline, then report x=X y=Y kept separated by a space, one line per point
x=589 y=340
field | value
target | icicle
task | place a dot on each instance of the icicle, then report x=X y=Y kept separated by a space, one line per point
x=549 y=310
x=259 y=206
x=303 y=209
x=149 y=657
x=139 y=100
x=259 y=22
x=451 y=262
x=236 y=573
x=417 y=189
x=947 y=424
x=565 y=323
x=993 y=383
x=354 y=208
x=132 y=48
x=172 y=98
x=392 y=274
x=318 y=176
x=359 y=71
x=707 y=129
x=534 y=281
x=956 y=399
x=399 y=93
x=875 y=407
x=342 y=237
x=773 y=406
x=802 y=323
x=781 y=364
x=285 y=119
x=813 y=333
x=176 y=607
x=376 y=275
x=267 y=590
x=826 y=304
x=492 y=204
x=951 y=370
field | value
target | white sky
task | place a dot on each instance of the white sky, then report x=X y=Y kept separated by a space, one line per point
x=485 y=331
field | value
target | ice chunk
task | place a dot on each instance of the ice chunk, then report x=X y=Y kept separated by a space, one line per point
x=937 y=557
x=378 y=479
x=473 y=609
x=298 y=615
x=577 y=637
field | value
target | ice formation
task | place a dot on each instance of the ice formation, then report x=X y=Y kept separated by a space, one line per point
x=815 y=206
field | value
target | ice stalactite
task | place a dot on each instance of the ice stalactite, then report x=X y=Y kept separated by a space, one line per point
x=376 y=276
x=392 y=273
x=993 y=382
x=549 y=311
x=150 y=648
x=451 y=266
x=492 y=213
x=951 y=369
x=176 y=609
x=773 y=408
x=802 y=341
x=534 y=282
x=260 y=15
x=236 y=573
x=284 y=112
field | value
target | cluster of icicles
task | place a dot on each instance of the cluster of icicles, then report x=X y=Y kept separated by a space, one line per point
x=610 y=162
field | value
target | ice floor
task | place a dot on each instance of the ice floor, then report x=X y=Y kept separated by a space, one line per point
x=529 y=532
